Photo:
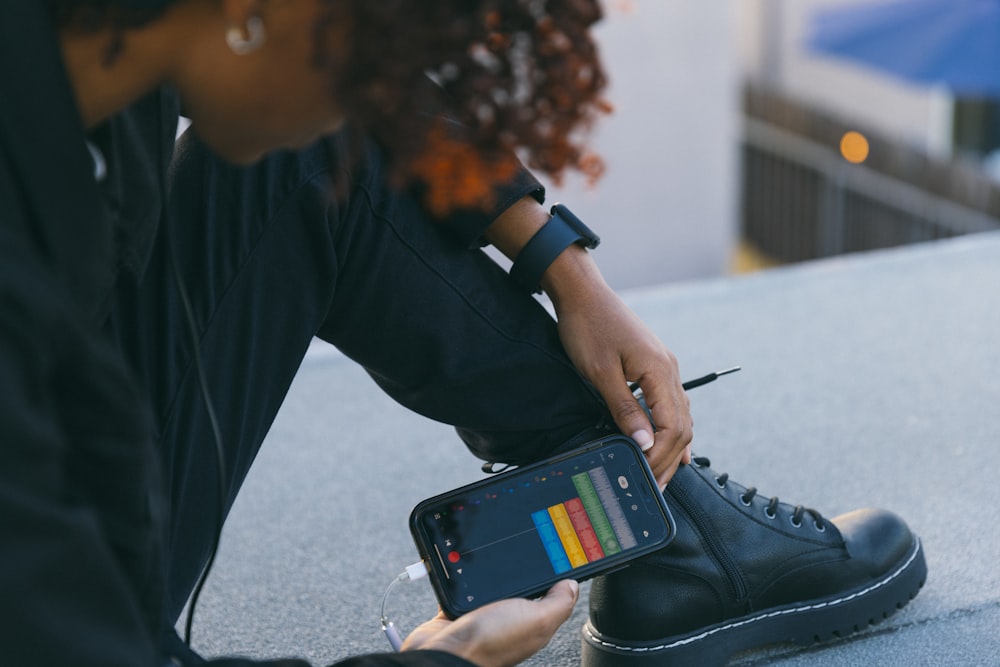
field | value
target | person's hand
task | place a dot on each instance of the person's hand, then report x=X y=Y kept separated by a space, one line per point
x=611 y=347
x=608 y=344
x=502 y=633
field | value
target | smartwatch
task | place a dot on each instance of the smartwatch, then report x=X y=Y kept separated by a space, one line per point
x=558 y=233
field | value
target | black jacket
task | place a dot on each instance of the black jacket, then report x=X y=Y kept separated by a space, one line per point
x=81 y=500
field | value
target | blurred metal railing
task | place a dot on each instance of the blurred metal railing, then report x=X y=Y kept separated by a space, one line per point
x=802 y=200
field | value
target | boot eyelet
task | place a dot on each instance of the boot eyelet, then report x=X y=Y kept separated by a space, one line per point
x=720 y=483
x=820 y=528
x=795 y=524
x=743 y=499
x=769 y=514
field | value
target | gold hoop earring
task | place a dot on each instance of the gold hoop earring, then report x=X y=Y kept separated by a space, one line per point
x=254 y=39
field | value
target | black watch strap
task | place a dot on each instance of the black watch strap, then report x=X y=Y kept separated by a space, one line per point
x=558 y=233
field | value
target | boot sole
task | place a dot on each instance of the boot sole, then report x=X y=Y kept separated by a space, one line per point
x=803 y=623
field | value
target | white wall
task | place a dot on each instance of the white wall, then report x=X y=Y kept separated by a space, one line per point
x=666 y=207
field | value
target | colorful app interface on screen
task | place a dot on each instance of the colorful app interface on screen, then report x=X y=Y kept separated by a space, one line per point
x=496 y=541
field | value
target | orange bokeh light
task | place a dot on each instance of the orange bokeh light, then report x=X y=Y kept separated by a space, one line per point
x=854 y=147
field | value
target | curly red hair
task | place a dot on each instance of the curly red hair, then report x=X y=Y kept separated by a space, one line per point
x=519 y=77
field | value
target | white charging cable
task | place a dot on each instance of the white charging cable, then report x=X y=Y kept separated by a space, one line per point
x=411 y=573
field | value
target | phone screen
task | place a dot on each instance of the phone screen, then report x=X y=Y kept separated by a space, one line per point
x=517 y=533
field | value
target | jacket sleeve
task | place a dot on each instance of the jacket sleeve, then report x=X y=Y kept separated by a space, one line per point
x=470 y=224
x=176 y=653
x=407 y=659
x=78 y=586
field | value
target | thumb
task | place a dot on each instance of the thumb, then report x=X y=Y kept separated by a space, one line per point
x=629 y=416
x=560 y=599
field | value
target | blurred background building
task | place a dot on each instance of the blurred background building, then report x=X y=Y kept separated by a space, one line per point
x=734 y=145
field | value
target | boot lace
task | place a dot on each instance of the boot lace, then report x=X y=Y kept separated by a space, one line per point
x=771 y=511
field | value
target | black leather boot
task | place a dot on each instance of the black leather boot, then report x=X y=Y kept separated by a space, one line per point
x=745 y=571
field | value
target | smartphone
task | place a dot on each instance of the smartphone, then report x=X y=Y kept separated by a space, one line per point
x=574 y=516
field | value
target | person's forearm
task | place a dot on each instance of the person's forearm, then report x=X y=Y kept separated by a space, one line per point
x=515 y=226
x=608 y=344
x=573 y=273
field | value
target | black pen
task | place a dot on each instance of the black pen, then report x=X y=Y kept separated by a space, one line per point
x=697 y=382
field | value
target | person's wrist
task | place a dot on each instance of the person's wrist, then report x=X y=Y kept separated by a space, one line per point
x=562 y=229
x=573 y=277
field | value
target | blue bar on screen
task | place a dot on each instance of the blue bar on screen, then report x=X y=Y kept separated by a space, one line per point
x=550 y=540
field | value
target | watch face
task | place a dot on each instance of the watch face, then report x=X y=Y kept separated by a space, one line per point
x=558 y=233
x=589 y=238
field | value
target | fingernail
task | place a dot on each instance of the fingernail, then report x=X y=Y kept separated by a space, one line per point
x=644 y=439
x=574 y=586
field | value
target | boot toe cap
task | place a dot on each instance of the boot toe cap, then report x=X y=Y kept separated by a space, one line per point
x=876 y=539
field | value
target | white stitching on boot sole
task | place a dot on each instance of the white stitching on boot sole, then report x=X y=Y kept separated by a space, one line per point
x=761 y=617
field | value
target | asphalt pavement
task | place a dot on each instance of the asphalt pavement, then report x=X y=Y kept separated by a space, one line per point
x=868 y=380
